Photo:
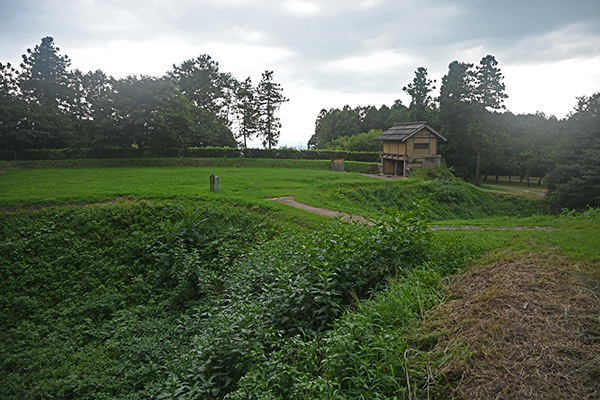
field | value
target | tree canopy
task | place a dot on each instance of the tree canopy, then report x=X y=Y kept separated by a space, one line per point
x=483 y=138
x=45 y=105
x=419 y=90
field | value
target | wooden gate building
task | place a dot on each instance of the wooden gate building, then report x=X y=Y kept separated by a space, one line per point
x=409 y=145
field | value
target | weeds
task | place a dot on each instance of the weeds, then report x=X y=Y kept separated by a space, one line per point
x=206 y=300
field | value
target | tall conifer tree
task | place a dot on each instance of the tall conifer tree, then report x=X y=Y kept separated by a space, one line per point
x=419 y=91
x=489 y=91
x=270 y=98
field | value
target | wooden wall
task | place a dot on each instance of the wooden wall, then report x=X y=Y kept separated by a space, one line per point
x=422 y=139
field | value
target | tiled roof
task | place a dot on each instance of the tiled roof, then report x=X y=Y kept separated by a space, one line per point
x=403 y=131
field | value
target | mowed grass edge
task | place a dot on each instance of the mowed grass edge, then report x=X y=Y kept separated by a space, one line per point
x=87 y=185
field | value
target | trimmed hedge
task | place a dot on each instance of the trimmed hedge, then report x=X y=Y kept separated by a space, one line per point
x=192 y=152
x=351 y=166
x=170 y=162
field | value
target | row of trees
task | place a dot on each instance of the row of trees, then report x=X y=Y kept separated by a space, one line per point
x=44 y=104
x=483 y=138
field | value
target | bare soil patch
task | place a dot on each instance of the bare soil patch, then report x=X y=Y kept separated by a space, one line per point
x=531 y=327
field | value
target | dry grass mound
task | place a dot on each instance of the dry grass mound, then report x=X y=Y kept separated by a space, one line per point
x=532 y=329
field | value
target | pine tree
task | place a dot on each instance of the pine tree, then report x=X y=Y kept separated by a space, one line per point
x=45 y=77
x=489 y=90
x=419 y=91
x=269 y=100
x=246 y=111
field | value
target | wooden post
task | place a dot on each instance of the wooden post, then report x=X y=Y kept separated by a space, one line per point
x=216 y=184
x=212 y=182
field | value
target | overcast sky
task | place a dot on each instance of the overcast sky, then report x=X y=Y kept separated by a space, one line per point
x=327 y=53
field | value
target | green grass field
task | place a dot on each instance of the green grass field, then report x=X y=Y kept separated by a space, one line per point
x=165 y=289
x=247 y=186
x=88 y=185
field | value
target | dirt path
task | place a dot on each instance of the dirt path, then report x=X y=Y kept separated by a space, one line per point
x=541 y=194
x=289 y=200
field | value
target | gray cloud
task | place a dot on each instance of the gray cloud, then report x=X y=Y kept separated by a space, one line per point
x=348 y=47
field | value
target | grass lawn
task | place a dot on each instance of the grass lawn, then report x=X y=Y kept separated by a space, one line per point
x=103 y=308
x=85 y=185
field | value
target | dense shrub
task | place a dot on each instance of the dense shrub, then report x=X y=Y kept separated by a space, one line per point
x=90 y=298
x=576 y=185
x=295 y=285
x=191 y=152
x=449 y=198
x=373 y=351
x=161 y=299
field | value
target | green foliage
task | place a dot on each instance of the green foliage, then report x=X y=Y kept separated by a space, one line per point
x=89 y=303
x=576 y=185
x=333 y=125
x=46 y=106
x=449 y=198
x=247 y=111
x=590 y=213
x=361 y=142
x=269 y=98
x=441 y=173
x=189 y=152
x=45 y=77
x=358 y=167
x=372 y=351
x=295 y=285
x=192 y=299
x=418 y=90
x=489 y=89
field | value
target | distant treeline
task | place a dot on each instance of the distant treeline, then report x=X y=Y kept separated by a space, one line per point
x=483 y=138
x=45 y=105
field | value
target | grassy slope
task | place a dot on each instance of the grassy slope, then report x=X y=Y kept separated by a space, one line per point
x=574 y=237
x=347 y=192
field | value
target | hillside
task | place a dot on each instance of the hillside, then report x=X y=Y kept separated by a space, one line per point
x=194 y=295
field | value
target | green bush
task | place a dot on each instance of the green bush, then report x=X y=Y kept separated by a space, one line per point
x=295 y=285
x=373 y=351
x=90 y=306
x=449 y=198
x=191 y=152
x=357 y=167
x=185 y=300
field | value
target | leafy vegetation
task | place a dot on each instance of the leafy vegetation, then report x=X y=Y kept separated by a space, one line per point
x=45 y=105
x=93 y=299
x=371 y=351
x=140 y=299
x=449 y=198
x=201 y=295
